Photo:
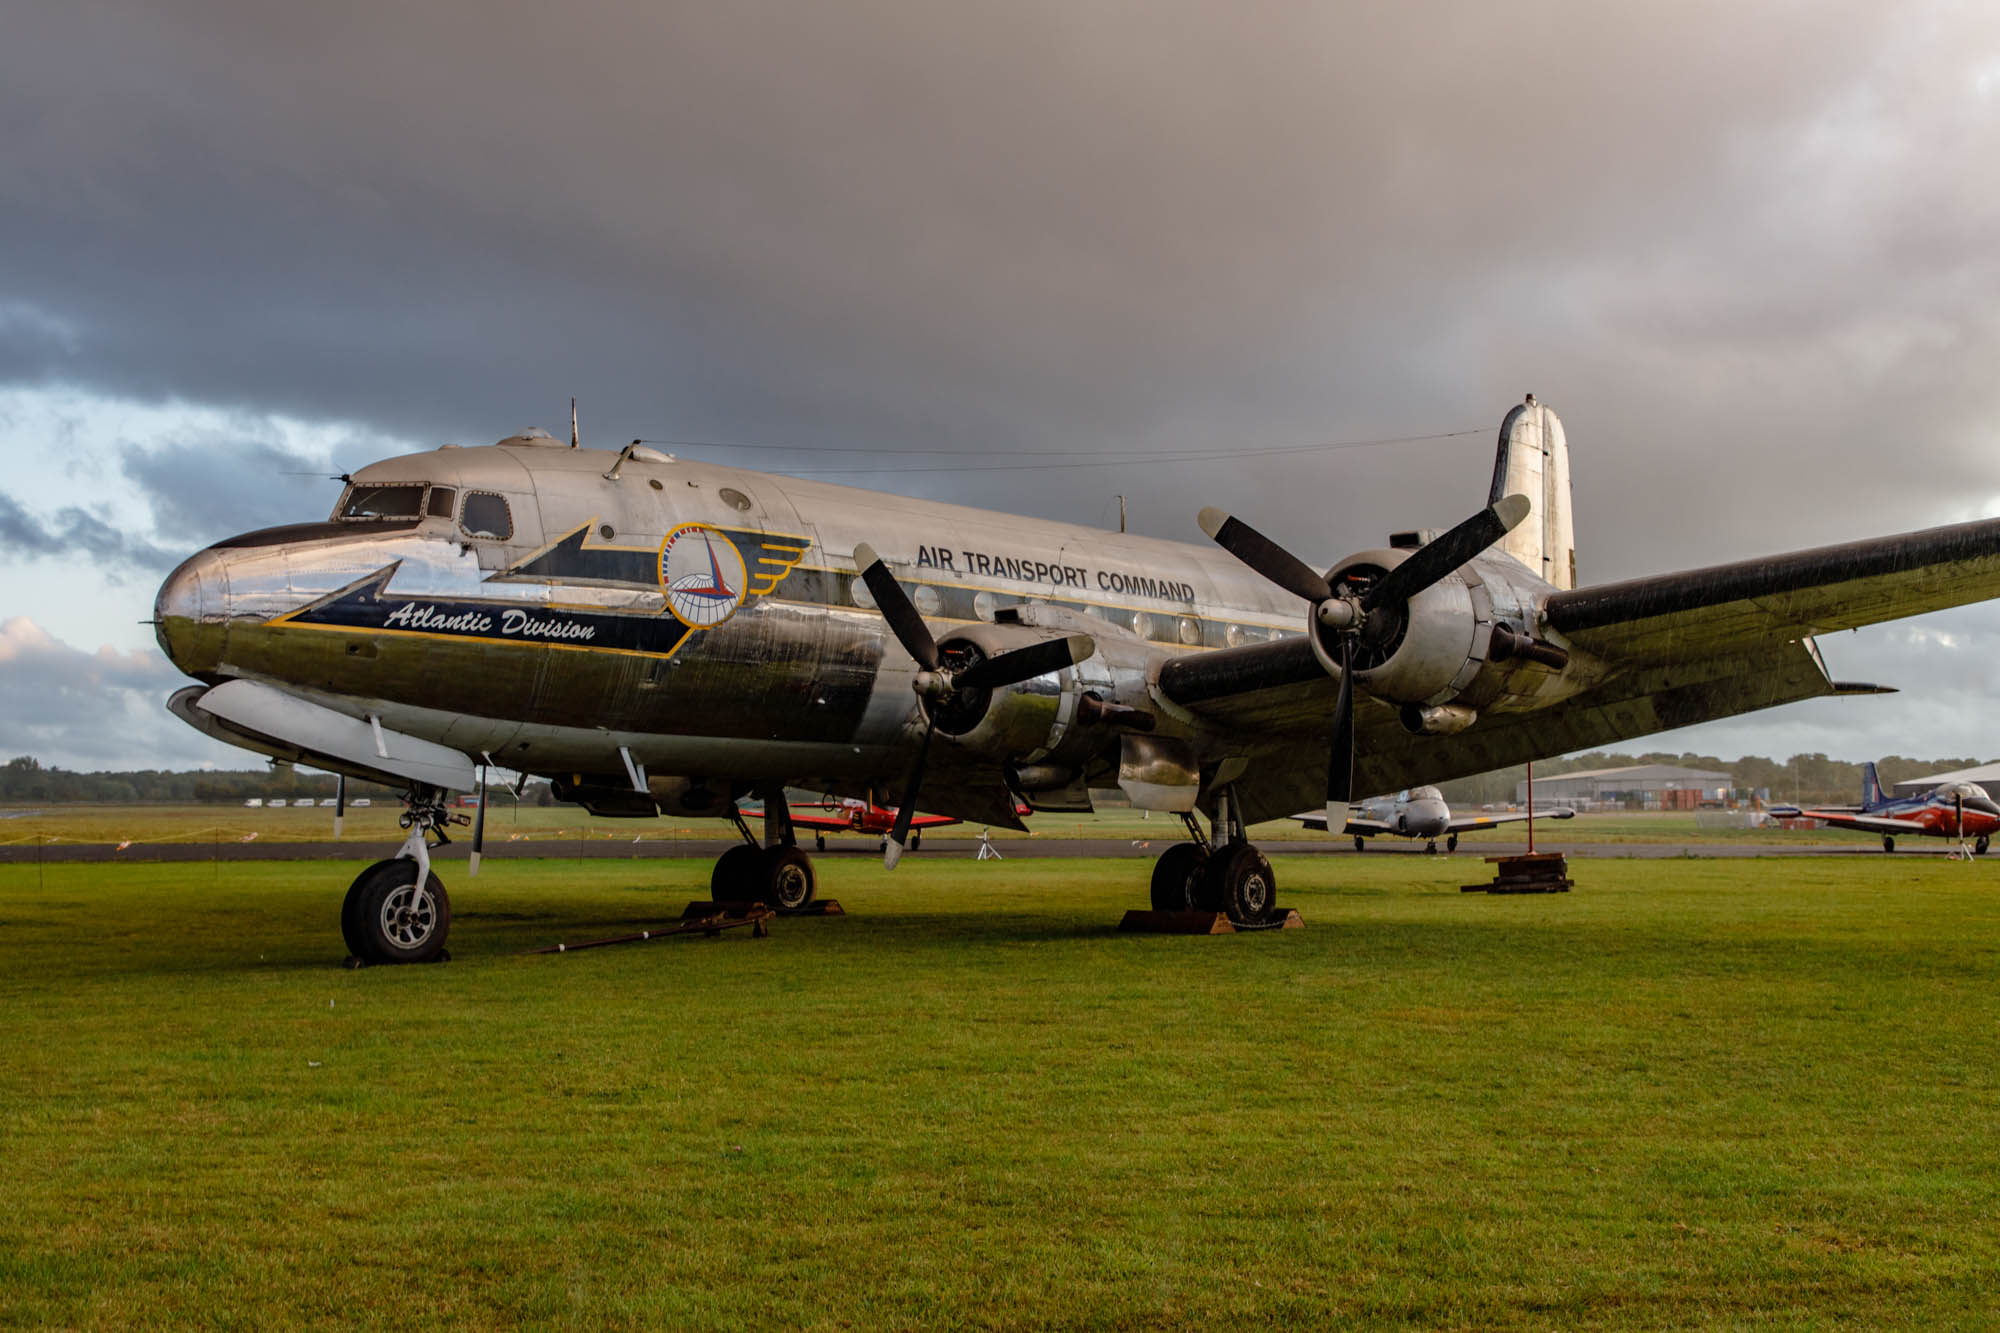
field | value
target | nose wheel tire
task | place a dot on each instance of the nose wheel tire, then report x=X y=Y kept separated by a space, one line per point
x=1360 y=843
x=1431 y=847
x=388 y=918
x=1888 y=843
x=1238 y=881
x=1176 y=876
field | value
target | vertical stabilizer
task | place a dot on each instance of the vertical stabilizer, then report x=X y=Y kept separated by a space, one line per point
x=1533 y=460
x=1871 y=786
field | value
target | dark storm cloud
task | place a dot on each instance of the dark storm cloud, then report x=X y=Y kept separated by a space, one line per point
x=1745 y=250
x=76 y=532
x=205 y=488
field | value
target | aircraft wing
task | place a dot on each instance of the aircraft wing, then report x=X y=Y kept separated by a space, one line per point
x=1785 y=597
x=1676 y=650
x=1864 y=823
x=802 y=816
x=1359 y=828
x=1465 y=823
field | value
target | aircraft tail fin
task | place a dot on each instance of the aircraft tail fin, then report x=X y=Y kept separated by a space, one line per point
x=1533 y=460
x=1871 y=786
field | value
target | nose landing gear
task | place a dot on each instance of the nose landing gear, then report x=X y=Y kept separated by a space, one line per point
x=396 y=911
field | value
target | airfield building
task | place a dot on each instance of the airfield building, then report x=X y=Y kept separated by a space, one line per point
x=1636 y=787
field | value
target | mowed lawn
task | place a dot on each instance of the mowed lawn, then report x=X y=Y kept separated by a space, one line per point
x=1689 y=1093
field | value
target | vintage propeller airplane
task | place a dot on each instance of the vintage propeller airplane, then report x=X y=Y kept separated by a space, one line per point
x=848 y=814
x=1418 y=812
x=658 y=635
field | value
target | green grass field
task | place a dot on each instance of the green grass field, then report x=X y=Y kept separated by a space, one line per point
x=1690 y=1093
x=508 y=823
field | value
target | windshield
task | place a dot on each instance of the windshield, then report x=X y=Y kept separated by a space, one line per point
x=369 y=502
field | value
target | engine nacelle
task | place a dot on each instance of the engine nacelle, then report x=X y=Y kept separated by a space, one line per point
x=1427 y=653
x=1021 y=723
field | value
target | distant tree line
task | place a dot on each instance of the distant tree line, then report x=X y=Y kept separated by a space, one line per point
x=1810 y=779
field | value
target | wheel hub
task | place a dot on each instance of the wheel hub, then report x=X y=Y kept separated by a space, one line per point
x=408 y=917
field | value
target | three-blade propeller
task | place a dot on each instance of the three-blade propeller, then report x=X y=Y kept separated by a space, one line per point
x=1351 y=615
x=938 y=682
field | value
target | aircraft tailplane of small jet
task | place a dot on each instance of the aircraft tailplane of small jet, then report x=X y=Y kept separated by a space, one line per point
x=659 y=636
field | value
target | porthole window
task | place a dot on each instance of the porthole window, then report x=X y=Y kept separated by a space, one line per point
x=1142 y=624
x=606 y=531
x=1190 y=631
x=983 y=605
x=486 y=516
x=926 y=599
x=1235 y=636
x=862 y=597
x=735 y=499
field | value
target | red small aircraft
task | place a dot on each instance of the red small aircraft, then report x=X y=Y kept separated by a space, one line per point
x=848 y=815
x=1958 y=810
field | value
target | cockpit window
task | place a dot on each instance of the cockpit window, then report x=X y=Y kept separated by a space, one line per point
x=440 y=502
x=1426 y=794
x=364 y=502
x=486 y=515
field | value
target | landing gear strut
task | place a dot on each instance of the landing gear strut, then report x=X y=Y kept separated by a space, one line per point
x=396 y=911
x=1227 y=874
x=776 y=872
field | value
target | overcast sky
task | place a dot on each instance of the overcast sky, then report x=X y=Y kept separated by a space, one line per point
x=1748 y=252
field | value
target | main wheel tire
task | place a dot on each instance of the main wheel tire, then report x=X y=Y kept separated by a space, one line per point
x=734 y=879
x=1360 y=843
x=785 y=878
x=916 y=839
x=1979 y=845
x=1176 y=876
x=394 y=920
x=1888 y=843
x=1451 y=843
x=1431 y=847
x=1238 y=880
x=819 y=842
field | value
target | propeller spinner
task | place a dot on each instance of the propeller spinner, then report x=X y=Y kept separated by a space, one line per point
x=939 y=680
x=1352 y=615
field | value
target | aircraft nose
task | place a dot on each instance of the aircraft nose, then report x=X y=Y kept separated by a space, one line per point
x=188 y=612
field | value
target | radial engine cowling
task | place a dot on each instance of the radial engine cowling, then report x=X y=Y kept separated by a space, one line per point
x=1020 y=722
x=1424 y=651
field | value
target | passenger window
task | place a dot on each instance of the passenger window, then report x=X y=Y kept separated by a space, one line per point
x=366 y=502
x=440 y=504
x=486 y=516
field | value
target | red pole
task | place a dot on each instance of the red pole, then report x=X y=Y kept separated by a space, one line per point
x=1531 y=809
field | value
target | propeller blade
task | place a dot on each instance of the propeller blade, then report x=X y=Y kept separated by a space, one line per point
x=1340 y=762
x=1441 y=557
x=339 y=802
x=896 y=608
x=1265 y=556
x=1019 y=664
x=899 y=837
x=478 y=825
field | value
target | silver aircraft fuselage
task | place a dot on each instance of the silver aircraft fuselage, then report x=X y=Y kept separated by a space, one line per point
x=705 y=620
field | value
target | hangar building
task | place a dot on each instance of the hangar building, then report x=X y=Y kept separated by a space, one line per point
x=1645 y=786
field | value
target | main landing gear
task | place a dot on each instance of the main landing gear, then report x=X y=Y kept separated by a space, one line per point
x=397 y=911
x=775 y=872
x=1201 y=875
